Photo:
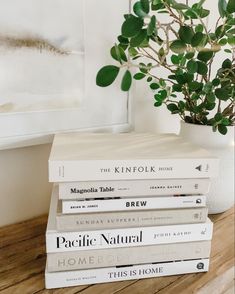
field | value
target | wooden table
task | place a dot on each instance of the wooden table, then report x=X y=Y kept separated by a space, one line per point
x=22 y=263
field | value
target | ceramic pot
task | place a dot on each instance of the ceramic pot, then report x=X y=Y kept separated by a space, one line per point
x=221 y=195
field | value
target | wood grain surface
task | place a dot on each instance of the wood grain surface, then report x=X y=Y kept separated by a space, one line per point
x=22 y=264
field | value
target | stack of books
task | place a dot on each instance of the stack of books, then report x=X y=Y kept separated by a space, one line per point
x=127 y=206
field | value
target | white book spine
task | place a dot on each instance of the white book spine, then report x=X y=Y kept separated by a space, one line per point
x=77 y=260
x=97 y=170
x=114 y=274
x=129 y=219
x=132 y=188
x=101 y=239
x=132 y=204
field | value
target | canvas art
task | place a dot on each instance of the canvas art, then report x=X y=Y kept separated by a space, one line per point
x=41 y=54
x=50 y=53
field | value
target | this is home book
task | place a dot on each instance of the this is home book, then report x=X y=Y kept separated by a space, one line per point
x=57 y=241
x=132 y=188
x=77 y=260
x=113 y=274
x=95 y=157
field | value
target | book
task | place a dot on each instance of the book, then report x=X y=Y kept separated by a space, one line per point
x=113 y=238
x=131 y=204
x=130 y=219
x=114 y=274
x=94 y=157
x=132 y=188
x=107 y=238
x=77 y=260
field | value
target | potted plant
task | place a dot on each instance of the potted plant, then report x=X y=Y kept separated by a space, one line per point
x=171 y=35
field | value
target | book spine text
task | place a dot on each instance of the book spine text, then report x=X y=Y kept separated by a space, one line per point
x=132 y=204
x=101 y=239
x=96 y=221
x=75 y=260
x=113 y=274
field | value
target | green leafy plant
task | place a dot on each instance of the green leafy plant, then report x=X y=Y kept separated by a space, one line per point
x=184 y=46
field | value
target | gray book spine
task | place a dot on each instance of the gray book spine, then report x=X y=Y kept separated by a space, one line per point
x=128 y=219
x=66 y=261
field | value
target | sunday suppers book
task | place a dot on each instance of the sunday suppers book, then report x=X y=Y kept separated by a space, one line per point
x=95 y=157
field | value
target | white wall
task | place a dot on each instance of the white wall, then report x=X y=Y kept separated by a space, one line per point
x=24 y=188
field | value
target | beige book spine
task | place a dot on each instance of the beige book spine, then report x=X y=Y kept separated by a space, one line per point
x=76 y=260
x=129 y=219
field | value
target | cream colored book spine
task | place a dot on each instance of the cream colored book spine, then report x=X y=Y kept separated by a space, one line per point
x=66 y=261
x=132 y=188
x=130 y=219
x=114 y=274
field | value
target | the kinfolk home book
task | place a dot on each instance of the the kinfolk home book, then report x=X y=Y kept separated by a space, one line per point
x=86 y=157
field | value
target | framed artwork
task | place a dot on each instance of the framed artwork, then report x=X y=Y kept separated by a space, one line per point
x=50 y=52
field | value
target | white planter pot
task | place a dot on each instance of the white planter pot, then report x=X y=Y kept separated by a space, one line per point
x=221 y=195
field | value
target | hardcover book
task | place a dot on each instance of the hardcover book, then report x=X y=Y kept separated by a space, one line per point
x=113 y=274
x=132 y=188
x=113 y=238
x=130 y=219
x=77 y=260
x=131 y=204
x=95 y=157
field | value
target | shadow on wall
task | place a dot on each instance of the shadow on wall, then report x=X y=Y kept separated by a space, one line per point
x=24 y=188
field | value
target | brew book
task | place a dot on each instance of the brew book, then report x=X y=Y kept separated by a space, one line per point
x=132 y=204
x=129 y=156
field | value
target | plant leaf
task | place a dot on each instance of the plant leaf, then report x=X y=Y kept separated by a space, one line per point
x=154 y=86
x=194 y=86
x=145 y=5
x=222 y=5
x=152 y=26
x=132 y=26
x=222 y=129
x=202 y=68
x=139 y=10
x=107 y=75
x=222 y=94
x=173 y=108
x=197 y=39
x=205 y=55
x=139 y=38
x=231 y=6
x=139 y=76
x=186 y=34
x=118 y=53
x=126 y=81
x=192 y=66
x=179 y=6
x=178 y=46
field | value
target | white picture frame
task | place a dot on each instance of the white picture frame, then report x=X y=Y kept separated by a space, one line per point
x=106 y=109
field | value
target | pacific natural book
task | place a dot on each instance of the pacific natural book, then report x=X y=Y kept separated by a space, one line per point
x=129 y=156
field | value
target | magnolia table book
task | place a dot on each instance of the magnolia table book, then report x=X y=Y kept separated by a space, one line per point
x=93 y=157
